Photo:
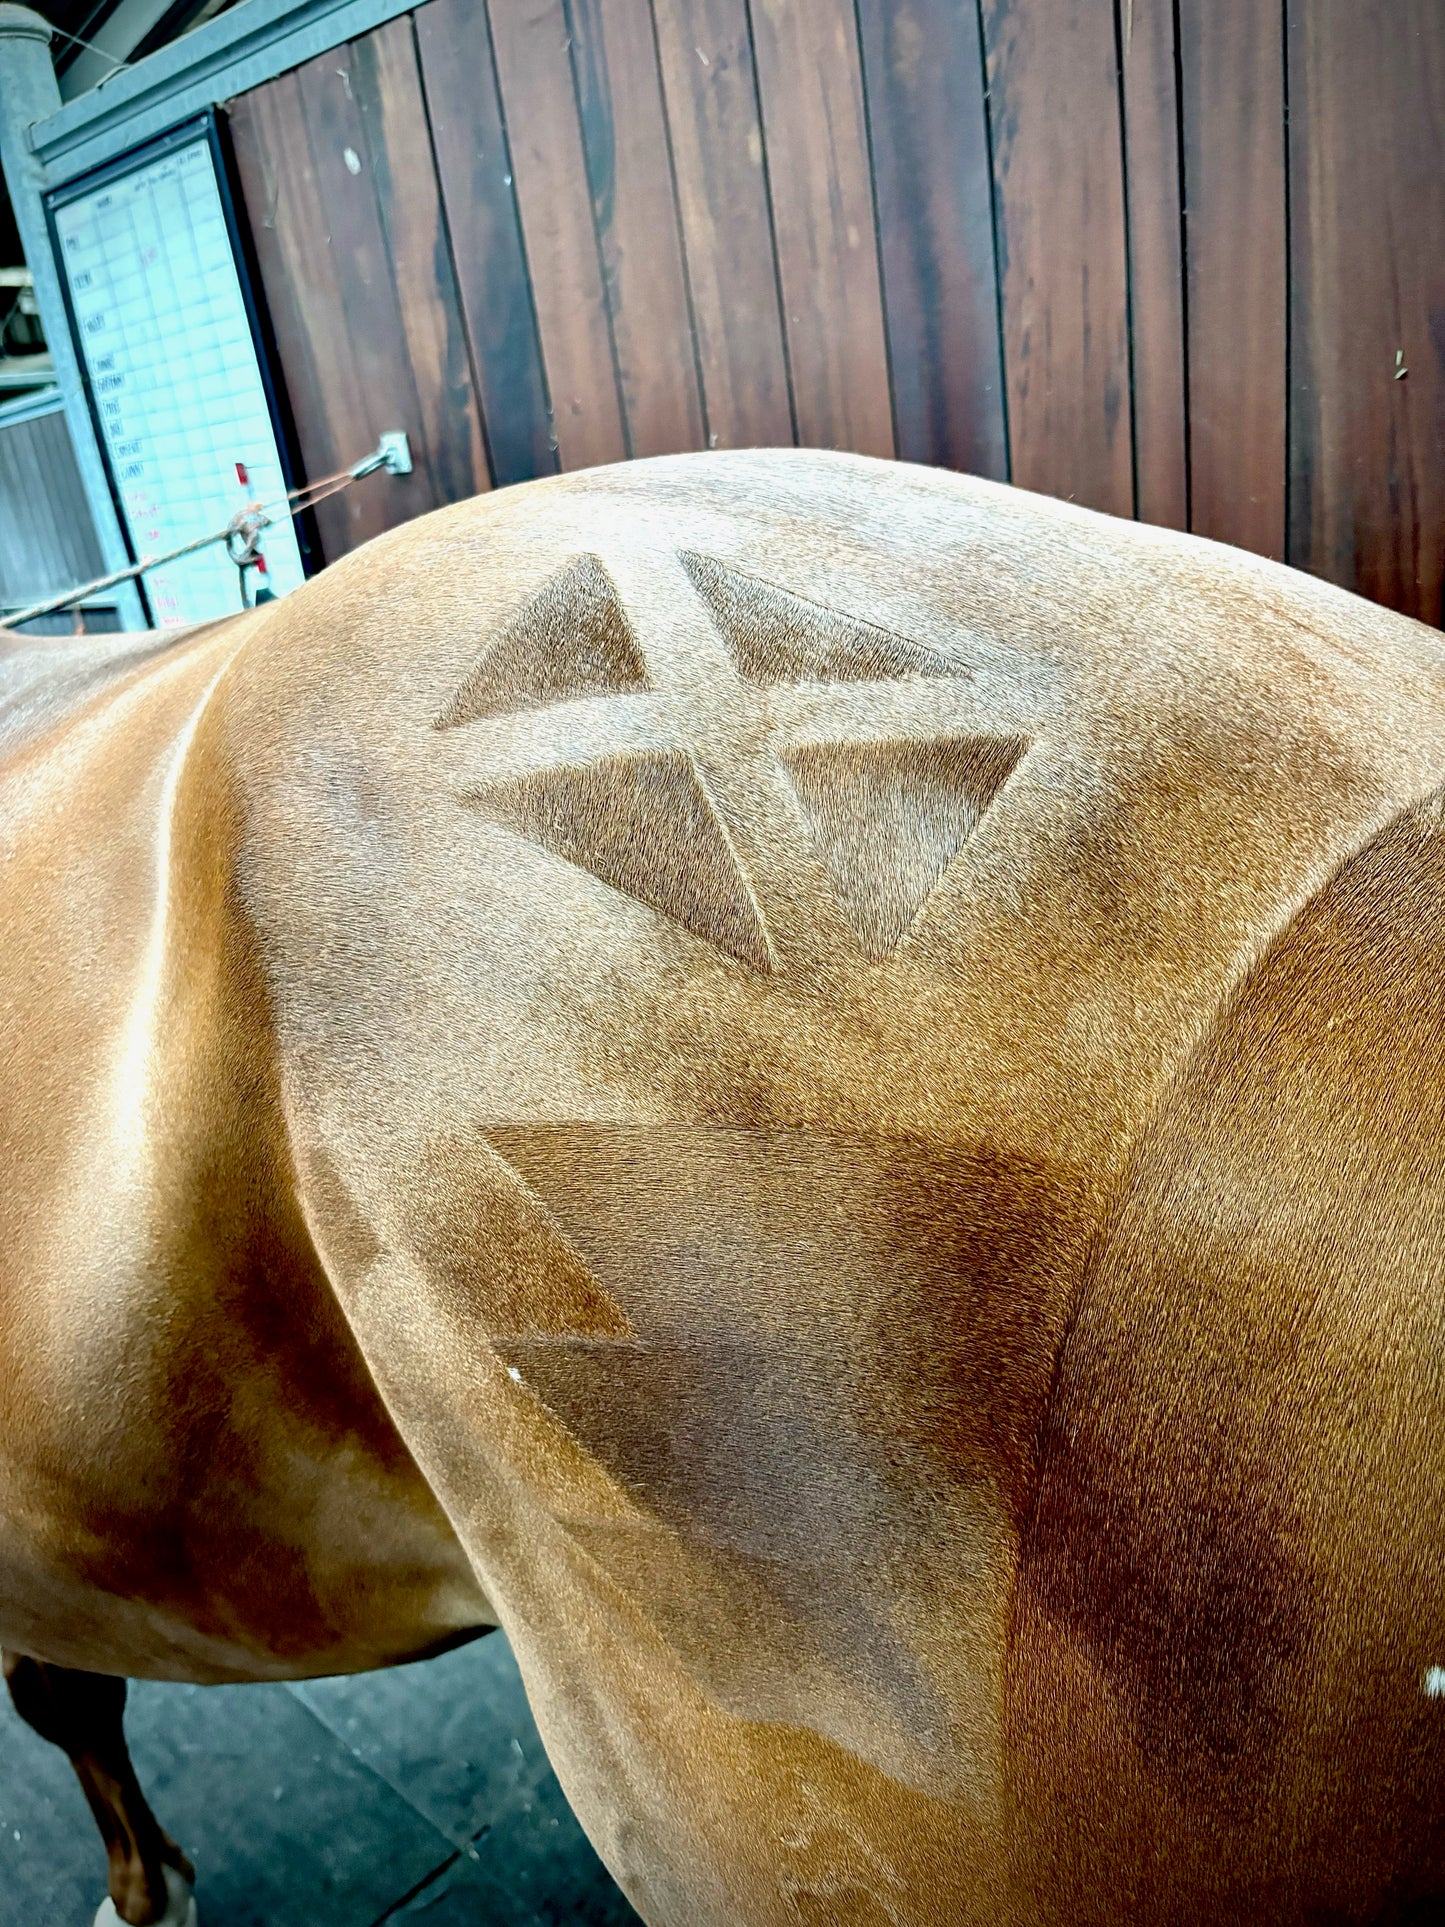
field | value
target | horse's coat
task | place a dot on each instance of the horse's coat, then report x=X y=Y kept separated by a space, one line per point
x=822 y=1088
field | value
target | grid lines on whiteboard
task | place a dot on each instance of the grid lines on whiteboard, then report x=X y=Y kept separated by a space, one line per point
x=172 y=363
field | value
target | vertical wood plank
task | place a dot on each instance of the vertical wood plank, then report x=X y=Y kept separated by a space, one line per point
x=1058 y=173
x=47 y=537
x=534 y=71
x=923 y=64
x=811 y=88
x=475 y=171
x=387 y=87
x=368 y=314
x=712 y=111
x=1367 y=144
x=1156 y=264
x=1232 y=61
x=298 y=272
x=629 y=172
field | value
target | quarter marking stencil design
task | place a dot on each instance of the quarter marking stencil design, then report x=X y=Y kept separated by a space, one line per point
x=885 y=813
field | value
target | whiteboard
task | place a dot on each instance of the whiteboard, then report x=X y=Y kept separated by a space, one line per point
x=165 y=335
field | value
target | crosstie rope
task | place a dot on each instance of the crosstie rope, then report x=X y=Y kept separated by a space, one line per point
x=244 y=526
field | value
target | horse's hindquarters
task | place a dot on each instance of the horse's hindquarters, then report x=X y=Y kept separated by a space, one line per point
x=751 y=913
x=719 y=934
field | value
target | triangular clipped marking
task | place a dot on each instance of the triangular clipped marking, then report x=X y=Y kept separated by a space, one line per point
x=778 y=637
x=572 y=639
x=486 y=1237
x=888 y=818
x=644 y=824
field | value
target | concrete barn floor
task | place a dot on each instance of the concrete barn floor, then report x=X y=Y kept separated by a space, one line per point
x=417 y=1795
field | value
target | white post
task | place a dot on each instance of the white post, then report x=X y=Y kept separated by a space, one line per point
x=28 y=93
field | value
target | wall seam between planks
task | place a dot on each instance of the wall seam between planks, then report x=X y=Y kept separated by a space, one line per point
x=877 y=222
x=1288 y=283
x=261 y=104
x=1180 y=149
x=622 y=415
x=1120 y=83
x=446 y=221
x=681 y=229
x=772 y=221
x=545 y=378
x=993 y=212
x=303 y=117
x=429 y=456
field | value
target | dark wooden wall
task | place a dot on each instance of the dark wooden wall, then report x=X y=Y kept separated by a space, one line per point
x=47 y=538
x=1180 y=259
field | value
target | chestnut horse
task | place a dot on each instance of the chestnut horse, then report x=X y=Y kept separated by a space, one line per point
x=818 y=1087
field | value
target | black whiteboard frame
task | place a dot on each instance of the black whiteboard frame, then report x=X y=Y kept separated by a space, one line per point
x=211 y=127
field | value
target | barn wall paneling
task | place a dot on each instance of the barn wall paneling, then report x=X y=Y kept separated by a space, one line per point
x=923 y=68
x=1170 y=258
x=47 y=539
x=1155 y=224
x=1367 y=360
x=1059 y=182
x=639 y=231
x=1236 y=242
x=714 y=124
